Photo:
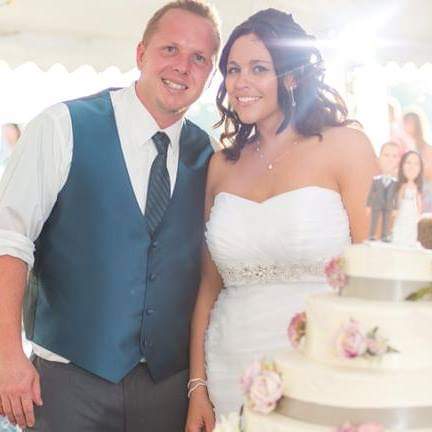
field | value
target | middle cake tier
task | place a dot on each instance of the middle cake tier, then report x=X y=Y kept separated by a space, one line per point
x=308 y=381
x=377 y=335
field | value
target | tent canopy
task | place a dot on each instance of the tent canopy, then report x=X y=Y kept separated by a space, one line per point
x=102 y=33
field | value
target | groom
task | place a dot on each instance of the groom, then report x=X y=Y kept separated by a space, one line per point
x=103 y=199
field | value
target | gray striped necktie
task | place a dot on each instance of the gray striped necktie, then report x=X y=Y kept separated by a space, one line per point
x=159 y=189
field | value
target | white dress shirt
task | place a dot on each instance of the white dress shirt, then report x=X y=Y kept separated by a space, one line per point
x=39 y=168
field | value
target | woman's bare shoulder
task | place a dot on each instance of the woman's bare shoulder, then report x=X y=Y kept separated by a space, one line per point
x=218 y=168
x=347 y=137
x=351 y=152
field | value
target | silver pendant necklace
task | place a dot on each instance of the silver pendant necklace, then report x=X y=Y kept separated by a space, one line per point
x=271 y=163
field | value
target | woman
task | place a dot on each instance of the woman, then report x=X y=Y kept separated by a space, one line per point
x=414 y=127
x=281 y=199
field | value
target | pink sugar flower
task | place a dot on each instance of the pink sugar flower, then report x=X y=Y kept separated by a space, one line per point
x=351 y=343
x=365 y=427
x=297 y=329
x=336 y=277
x=265 y=392
x=249 y=376
x=346 y=427
x=370 y=427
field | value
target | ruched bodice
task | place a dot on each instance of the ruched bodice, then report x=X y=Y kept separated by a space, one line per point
x=286 y=238
x=271 y=255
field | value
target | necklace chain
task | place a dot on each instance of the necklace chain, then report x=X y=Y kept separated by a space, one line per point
x=270 y=163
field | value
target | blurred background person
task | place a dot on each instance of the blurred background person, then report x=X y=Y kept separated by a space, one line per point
x=415 y=125
x=397 y=133
x=10 y=134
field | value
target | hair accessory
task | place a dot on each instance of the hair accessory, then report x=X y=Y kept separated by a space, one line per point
x=293 y=101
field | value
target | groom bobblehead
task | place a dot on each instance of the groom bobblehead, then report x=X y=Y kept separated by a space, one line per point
x=104 y=201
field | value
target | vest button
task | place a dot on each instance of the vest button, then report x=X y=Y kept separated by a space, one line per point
x=150 y=311
x=154 y=244
x=148 y=343
x=152 y=277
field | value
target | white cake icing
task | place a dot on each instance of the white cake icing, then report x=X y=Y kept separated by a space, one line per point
x=310 y=381
x=274 y=422
x=382 y=261
x=406 y=326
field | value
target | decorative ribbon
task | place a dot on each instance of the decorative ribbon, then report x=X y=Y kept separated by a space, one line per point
x=382 y=289
x=397 y=419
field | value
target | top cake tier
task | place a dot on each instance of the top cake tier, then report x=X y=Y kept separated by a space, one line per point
x=386 y=261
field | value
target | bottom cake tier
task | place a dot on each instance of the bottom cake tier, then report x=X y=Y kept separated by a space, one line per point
x=254 y=422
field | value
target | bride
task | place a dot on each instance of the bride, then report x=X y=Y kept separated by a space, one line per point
x=285 y=195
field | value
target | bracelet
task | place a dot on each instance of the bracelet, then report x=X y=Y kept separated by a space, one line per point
x=194 y=387
x=196 y=380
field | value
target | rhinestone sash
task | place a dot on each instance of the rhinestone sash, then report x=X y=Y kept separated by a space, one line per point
x=272 y=273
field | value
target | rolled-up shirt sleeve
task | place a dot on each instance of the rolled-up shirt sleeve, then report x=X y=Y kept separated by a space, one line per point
x=35 y=174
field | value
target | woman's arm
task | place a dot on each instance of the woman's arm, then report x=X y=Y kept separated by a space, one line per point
x=356 y=167
x=200 y=413
x=209 y=289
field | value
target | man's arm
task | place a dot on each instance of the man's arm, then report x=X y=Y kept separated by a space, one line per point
x=37 y=170
x=19 y=380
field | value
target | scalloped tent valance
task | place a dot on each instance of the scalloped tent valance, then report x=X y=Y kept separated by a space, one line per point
x=103 y=33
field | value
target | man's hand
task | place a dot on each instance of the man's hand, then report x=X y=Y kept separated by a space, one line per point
x=19 y=390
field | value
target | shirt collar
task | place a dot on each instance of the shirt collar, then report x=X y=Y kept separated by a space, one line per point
x=142 y=125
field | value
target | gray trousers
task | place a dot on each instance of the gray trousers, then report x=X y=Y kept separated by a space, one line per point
x=77 y=401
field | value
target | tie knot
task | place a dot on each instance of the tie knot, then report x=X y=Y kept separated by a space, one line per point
x=161 y=141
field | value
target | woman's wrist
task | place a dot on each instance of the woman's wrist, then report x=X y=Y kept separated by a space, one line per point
x=196 y=383
x=199 y=393
x=196 y=380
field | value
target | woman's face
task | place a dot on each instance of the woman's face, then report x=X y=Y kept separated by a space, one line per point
x=411 y=167
x=251 y=81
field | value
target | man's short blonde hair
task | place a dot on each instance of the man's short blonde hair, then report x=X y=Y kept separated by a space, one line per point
x=197 y=7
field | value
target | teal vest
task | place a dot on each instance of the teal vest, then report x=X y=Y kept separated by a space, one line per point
x=103 y=293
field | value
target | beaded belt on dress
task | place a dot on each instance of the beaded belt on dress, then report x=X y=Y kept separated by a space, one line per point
x=272 y=273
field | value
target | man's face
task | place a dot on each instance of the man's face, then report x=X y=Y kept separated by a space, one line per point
x=389 y=160
x=175 y=64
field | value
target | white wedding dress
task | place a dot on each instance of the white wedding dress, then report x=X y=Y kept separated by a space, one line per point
x=271 y=255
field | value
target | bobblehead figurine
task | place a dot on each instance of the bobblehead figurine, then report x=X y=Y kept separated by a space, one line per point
x=382 y=199
x=410 y=184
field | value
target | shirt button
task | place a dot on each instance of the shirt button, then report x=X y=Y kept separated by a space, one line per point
x=152 y=277
x=148 y=343
x=150 y=311
x=154 y=244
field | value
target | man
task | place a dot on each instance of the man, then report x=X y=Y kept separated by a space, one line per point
x=105 y=200
x=382 y=199
x=10 y=136
x=10 y=133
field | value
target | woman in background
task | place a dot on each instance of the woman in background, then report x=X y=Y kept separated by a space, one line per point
x=414 y=125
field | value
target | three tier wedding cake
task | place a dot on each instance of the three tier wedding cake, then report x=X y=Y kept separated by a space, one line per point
x=363 y=357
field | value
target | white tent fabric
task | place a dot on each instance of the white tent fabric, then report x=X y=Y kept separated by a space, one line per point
x=103 y=33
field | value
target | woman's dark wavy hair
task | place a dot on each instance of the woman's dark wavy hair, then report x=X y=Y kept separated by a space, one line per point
x=293 y=53
x=401 y=176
